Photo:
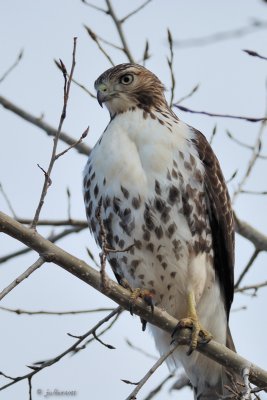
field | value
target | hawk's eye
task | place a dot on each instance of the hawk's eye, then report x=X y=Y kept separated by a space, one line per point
x=126 y=79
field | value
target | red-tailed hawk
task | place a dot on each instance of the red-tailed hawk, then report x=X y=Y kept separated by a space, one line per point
x=160 y=187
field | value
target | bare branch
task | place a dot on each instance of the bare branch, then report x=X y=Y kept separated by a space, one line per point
x=53 y=238
x=47 y=181
x=51 y=131
x=213 y=133
x=12 y=67
x=146 y=54
x=68 y=192
x=94 y=6
x=21 y=277
x=221 y=36
x=142 y=351
x=254 y=192
x=53 y=222
x=253 y=235
x=158 y=388
x=8 y=202
x=83 y=136
x=39 y=366
x=160 y=318
x=135 y=11
x=81 y=86
x=99 y=334
x=94 y=37
x=254 y=156
x=19 y=311
x=118 y=25
x=249 y=119
x=170 y=64
x=242 y=144
x=157 y=364
x=190 y=94
x=254 y=54
x=247 y=267
x=254 y=287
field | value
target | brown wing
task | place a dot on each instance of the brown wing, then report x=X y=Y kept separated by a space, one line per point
x=221 y=219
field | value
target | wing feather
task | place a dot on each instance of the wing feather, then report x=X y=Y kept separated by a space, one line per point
x=221 y=218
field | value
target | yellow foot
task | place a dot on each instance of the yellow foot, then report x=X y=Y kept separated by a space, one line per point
x=198 y=335
x=192 y=322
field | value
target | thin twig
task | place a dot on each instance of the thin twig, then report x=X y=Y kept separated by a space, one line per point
x=254 y=192
x=142 y=351
x=135 y=11
x=250 y=233
x=146 y=54
x=249 y=119
x=170 y=64
x=12 y=67
x=242 y=144
x=254 y=155
x=93 y=6
x=255 y=254
x=19 y=311
x=50 y=130
x=92 y=258
x=190 y=94
x=83 y=136
x=21 y=277
x=221 y=36
x=40 y=365
x=8 y=202
x=109 y=43
x=254 y=287
x=157 y=364
x=100 y=333
x=80 y=85
x=47 y=181
x=118 y=25
x=213 y=133
x=68 y=203
x=52 y=238
x=158 y=388
x=94 y=37
x=254 y=54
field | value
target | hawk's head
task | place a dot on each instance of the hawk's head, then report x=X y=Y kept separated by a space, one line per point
x=129 y=85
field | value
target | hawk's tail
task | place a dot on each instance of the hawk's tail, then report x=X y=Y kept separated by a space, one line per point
x=219 y=391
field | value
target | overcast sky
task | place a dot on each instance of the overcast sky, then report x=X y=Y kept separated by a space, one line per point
x=230 y=82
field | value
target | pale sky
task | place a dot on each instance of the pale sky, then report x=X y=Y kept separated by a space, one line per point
x=230 y=82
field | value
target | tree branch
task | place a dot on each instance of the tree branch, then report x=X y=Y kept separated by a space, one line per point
x=54 y=156
x=50 y=130
x=159 y=318
x=38 y=366
x=253 y=235
x=249 y=119
x=10 y=69
x=118 y=25
x=23 y=276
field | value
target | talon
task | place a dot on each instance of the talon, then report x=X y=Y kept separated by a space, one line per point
x=144 y=323
x=144 y=294
x=198 y=335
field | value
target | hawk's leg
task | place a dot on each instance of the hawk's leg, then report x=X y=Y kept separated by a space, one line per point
x=192 y=322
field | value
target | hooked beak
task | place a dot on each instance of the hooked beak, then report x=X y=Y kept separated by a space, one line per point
x=100 y=98
x=102 y=94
